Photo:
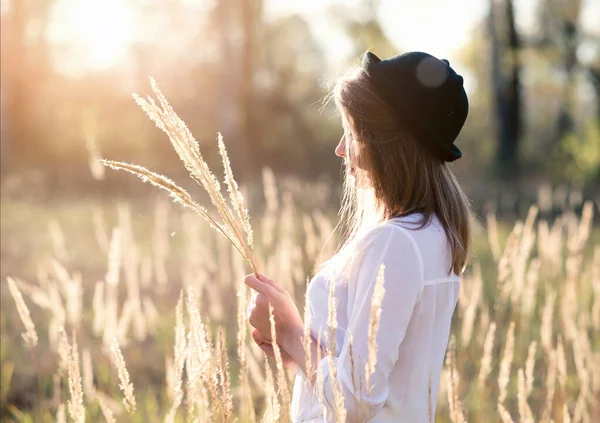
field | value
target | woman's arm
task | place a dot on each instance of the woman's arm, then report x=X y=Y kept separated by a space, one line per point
x=289 y=327
x=267 y=346
x=293 y=343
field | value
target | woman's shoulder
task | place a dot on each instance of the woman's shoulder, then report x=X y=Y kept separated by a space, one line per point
x=386 y=235
x=402 y=228
x=420 y=228
x=431 y=241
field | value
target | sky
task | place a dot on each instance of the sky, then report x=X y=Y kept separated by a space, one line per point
x=439 y=27
x=436 y=27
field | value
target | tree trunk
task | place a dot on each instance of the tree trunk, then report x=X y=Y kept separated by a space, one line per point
x=570 y=40
x=250 y=139
x=594 y=74
x=513 y=97
x=506 y=88
x=14 y=82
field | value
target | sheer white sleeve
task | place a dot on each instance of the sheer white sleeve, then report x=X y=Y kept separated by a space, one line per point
x=395 y=248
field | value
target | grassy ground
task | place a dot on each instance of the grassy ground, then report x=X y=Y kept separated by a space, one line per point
x=34 y=234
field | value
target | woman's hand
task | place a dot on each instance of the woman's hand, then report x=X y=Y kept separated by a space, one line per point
x=267 y=347
x=286 y=315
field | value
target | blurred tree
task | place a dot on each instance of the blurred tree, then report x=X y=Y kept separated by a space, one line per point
x=25 y=70
x=361 y=25
x=559 y=31
x=292 y=65
x=574 y=141
x=252 y=23
x=594 y=75
x=506 y=80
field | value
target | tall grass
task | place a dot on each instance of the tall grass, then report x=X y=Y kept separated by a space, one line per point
x=528 y=357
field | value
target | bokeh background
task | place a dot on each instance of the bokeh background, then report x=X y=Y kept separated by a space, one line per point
x=257 y=71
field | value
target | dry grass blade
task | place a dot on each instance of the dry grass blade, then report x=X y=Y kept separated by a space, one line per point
x=529 y=366
x=61 y=415
x=307 y=340
x=504 y=414
x=88 y=375
x=378 y=293
x=336 y=386
x=125 y=385
x=75 y=404
x=175 y=378
x=455 y=405
x=486 y=360
x=237 y=200
x=30 y=335
x=106 y=411
x=186 y=147
x=179 y=195
x=247 y=403
x=281 y=378
x=506 y=363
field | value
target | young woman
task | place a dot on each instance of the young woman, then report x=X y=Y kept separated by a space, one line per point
x=402 y=208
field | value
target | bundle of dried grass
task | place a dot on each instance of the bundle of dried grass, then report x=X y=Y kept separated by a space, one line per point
x=235 y=224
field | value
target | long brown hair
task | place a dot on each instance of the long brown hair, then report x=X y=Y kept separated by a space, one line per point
x=403 y=176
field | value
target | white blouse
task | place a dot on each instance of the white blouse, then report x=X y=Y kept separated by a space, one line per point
x=417 y=307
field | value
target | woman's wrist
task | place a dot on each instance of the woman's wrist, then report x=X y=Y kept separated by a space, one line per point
x=291 y=338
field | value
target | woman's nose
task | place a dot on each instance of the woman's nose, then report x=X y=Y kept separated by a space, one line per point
x=340 y=150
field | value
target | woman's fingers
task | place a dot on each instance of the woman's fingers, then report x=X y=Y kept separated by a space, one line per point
x=263 y=343
x=259 y=337
x=262 y=300
x=270 y=282
x=259 y=286
x=268 y=349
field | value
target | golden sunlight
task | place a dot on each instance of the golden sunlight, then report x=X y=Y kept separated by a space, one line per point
x=91 y=34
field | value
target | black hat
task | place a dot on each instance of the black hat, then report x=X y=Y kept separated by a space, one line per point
x=427 y=95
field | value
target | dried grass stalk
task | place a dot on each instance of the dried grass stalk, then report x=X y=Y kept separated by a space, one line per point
x=506 y=363
x=235 y=223
x=30 y=335
x=281 y=378
x=272 y=406
x=336 y=385
x=246 y=390
x=504 y=414
x=525 y=413
x=307 y=338
x=452 y=382
x=61 y=415
x=378 y=293
x=75 y=404
x=106 y=411
x=125 y=384
x=175 y=377
x=486 y=359
x=88 y=375
x=529 y=367
x=226 y=399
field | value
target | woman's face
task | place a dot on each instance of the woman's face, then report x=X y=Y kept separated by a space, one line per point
x=348 y=149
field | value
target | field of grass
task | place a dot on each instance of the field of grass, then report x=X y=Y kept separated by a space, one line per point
x=526 y=344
